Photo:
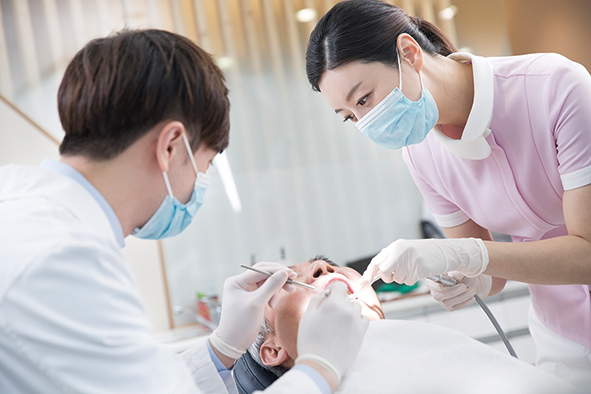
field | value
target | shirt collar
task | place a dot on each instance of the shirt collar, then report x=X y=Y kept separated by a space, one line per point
x=64 y=169
x=473 y=144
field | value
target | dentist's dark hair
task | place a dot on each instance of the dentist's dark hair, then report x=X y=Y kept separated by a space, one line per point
x=119 y=87
x=366 y=30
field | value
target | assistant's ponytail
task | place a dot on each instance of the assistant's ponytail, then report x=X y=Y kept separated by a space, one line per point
x=434 y=35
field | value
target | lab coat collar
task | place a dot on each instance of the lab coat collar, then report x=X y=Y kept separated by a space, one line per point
x=473 y=144
x=105 y=220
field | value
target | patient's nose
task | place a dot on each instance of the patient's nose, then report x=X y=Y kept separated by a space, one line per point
x=320 y=268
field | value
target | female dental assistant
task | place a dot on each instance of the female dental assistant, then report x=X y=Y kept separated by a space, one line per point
x=494 y=144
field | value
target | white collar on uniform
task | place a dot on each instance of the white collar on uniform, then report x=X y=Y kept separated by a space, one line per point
x=473 y=144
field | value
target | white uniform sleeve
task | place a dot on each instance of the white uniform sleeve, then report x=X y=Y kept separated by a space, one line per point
x=75 y=323
x=298 y=380
x=293 y=382
x=204 y=371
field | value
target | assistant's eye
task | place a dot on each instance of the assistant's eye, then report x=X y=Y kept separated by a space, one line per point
x=350 y=117
x=362 y=100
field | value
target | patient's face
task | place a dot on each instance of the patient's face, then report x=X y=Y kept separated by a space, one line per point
x=287 y=308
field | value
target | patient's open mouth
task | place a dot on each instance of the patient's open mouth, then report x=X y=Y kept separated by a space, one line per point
x=342 y=279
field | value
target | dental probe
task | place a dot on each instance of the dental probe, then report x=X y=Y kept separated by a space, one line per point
x=352 y=297
x=449 y=281
x=290 y=281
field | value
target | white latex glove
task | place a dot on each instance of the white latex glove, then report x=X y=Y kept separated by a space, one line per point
x=407 y=261
x=331 y=331
x=243 y=304
x=461 y=295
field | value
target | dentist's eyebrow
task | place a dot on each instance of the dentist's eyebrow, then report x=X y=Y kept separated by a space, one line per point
x=351 y=93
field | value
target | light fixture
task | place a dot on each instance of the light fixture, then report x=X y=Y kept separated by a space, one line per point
x=225 y=62
x=222 y=164
x=306 y=15
x=448 y=13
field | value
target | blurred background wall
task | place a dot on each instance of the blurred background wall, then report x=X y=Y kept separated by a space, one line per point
x=306 y=183
x=550 y=26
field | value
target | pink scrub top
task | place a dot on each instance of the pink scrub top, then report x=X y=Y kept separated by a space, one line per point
x=527 y=139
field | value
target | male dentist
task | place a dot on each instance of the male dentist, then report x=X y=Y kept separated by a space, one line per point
x=144 y=114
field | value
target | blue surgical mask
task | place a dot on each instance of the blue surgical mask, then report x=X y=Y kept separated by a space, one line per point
x=172 y=216
x=397 y=121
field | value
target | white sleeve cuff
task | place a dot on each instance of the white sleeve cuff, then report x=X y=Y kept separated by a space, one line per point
x=315 y=376
x=576 y=179
x=452 y=219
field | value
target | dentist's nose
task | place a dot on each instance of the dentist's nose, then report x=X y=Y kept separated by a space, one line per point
x=320 y=268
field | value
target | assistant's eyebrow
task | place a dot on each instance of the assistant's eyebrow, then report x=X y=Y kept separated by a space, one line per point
x=349 y=95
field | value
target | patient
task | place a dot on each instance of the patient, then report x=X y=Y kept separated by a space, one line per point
x=396 y=355
x=275 y=347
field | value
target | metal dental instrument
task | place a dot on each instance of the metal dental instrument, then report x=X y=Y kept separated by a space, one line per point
x=355 y=295
x=290 y=281
x=449 y=281
x=352 y=297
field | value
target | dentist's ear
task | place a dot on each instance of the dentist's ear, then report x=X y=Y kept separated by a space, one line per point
x=170 y=140
x=273 y=354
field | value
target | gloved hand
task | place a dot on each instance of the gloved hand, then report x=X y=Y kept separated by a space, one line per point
x=461 y=295
x=331 y=331
x=243 y=304
x=407 y=261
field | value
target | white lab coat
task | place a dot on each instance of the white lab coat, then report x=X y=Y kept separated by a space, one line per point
x=71 y=319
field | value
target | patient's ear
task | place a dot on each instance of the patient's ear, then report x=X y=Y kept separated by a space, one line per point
x=272 y=354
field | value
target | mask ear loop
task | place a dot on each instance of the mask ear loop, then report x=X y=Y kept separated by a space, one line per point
x=400 y=74
x=190 y=153
x=167 y=183
x=399 y=70
x=165 y=175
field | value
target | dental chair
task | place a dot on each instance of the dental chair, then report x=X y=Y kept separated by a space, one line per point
x=250 y=376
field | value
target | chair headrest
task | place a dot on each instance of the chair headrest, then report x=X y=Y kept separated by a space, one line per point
x=250 y=376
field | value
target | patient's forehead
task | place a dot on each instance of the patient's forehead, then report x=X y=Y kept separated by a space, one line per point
x=304 y=264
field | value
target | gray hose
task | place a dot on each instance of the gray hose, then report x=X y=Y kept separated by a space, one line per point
x=449 y=281
x=496 y=324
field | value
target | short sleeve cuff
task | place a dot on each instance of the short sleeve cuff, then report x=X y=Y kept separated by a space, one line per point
x=452 y=219
x=316 y=377
x=576 y=179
